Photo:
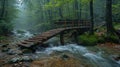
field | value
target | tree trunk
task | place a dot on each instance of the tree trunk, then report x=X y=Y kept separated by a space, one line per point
x=3 y=9
x=80 y=10
x=109 y=24
x=60 y=12
x=49 y=13
x=91 y=17
x=76 y=9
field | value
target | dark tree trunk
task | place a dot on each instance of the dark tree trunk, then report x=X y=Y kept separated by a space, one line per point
x=91 y=17
x=49 y=12
x=62 y=38
x=109 y=24
x=60 y=13
x=76 y=9
x=80 y=10
x=3 y=9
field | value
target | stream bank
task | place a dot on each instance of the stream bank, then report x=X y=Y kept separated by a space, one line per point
x=69 y=55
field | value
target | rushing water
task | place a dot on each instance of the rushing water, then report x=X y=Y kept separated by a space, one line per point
x=24 y=33
x=94 y=58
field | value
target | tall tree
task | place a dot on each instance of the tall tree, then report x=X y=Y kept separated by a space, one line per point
x=80 y=10
x=91 y=17
x=109 y=24
x=76 y=9
x=3 y=9
x=7 y=14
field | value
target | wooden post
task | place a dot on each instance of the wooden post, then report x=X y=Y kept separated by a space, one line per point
x=73 y=23
x=75 y=34
x=65 y=24
x=62 y=38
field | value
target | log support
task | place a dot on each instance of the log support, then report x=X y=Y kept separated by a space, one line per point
x=62 y=38
x=75 y=34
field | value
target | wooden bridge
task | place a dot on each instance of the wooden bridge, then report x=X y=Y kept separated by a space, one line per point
x=78 y=26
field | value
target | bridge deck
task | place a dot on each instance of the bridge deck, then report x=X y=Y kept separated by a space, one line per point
x=41 y=38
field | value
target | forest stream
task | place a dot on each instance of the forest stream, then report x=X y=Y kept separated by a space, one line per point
x=69 y=55
x=59 y=33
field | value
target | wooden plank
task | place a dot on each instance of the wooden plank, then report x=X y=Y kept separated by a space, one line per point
x=41 y=38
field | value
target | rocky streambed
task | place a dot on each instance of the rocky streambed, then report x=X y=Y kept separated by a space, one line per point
x=70 y=55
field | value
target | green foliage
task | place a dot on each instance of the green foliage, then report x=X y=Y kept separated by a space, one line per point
x=101 y=39
x=5 y=28
x=57 y=3
x=2 y=37
x=111 y=38
x=116 y=25
x=9 y=14
x=88 y=40
x=116 y=11
x=44 y=26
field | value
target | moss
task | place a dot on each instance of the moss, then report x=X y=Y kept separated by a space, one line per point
x=2 y=37
x=91 y=40
x=88 y=40
x=116 y=25
x=5 y=28
x=111 y=38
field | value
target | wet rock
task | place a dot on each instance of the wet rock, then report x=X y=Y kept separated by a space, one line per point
x=25 y=51
x=5 y=49
x=56 y=53
x=45 y=45
x=21 y=59
x=2 y=54
x=118 y=62
x=20 y=64
x=14 y=51
x=59 y=52
x=57 y=61
x=4 y=45
x=65 y=57
x=1 y=62
x=117 y=58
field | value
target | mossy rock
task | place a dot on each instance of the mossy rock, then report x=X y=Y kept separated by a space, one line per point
x=88 y=40
x=27 y=51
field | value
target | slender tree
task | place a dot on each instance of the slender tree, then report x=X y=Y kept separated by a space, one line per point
x=80 y=10
x=109 y=24
x=76 y=9
x=60 y=13
x=91 y=17
x=3 y=9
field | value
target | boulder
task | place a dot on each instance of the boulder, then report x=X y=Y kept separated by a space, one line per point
x=20 y=59
x=4 y=45
x=14 y=51
x=57 y=61
x=5 y=49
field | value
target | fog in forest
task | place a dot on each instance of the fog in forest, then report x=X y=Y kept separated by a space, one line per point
x=59 y=33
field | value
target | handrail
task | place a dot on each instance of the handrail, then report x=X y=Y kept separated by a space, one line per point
x=73 y=23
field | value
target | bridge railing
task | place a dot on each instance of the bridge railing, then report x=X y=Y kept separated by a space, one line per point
x=72 y=23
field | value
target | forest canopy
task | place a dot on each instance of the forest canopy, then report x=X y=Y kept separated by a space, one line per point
x=45 y=12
